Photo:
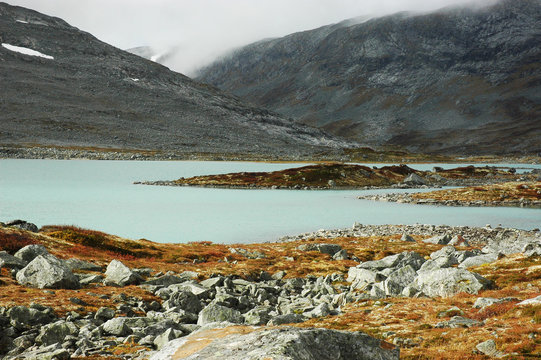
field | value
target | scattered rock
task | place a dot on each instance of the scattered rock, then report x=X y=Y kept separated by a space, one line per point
x=46 y=271
x=118 y=274
x=489 y=348
x=10 y=261
x=533 y=301
x=330 y=249
x=458 y=322
x=218 y=313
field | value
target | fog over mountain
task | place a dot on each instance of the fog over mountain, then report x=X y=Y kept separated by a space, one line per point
x=198 y=31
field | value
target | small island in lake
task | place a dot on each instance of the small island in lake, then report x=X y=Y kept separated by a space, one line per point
x=351 y=176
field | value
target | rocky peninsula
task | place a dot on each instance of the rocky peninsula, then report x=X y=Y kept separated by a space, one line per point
x=421 y=291
x=513 y=194
x=335 y=176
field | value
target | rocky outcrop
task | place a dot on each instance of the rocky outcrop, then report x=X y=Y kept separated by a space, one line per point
x=47 y=271
x=453 y=80
x=279 y=343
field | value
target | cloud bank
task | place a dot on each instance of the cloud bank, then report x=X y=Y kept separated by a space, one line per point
x=201 y=30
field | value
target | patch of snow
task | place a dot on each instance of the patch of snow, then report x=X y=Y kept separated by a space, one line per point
x=156 y=57
x=22 y=21
x=134 y=79
x=26 y=51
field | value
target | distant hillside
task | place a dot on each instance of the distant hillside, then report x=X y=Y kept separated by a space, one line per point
x=87 y=93
x=459 y=80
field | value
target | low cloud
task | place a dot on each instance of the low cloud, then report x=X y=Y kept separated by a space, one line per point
x=201 y=30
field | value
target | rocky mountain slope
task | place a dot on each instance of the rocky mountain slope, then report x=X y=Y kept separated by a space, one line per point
x=76 y=91
x=459 y=80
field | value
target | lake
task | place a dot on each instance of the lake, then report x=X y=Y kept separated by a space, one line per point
x=100 y=195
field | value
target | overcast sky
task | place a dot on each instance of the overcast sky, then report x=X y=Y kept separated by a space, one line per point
x=205 y=29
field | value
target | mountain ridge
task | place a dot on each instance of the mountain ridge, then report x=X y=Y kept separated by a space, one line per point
x=458 y=80
x=95 y=95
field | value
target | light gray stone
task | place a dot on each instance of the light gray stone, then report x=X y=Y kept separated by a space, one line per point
x=104 y=314
x=489 y=348
x=56 y=332
x=438 y=239
x=283 y=343
x=478 y=260
x=458 y=322
x=46 y=271
x=260 y=315
x=218 y=313
x=330 y=249
x=450 y=281
x=117 y=327
x=170 y=334
x=286 y=319
x=118 y=274
x=414 y=179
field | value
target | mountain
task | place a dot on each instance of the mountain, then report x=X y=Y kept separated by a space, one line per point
x=150 y=53
x=63 y=87
x=459 y=80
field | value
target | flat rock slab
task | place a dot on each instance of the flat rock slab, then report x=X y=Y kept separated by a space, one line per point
x=277 y=343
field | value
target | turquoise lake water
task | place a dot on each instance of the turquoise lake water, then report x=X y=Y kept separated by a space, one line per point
x=100 y=195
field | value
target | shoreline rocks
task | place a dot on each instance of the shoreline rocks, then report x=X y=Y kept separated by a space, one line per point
x=408 y=199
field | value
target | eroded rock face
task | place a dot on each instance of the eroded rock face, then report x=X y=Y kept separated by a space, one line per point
x=284 y=343
x=47 y=271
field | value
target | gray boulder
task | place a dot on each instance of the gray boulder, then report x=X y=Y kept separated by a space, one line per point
x=414 y=179
x=360 y=278
x=340 y=255
x=185 y=300
x=415 y=260
x=330 y=249
x=30 y=252
x=46 y=271
x=407 y=238
x=77 y=264
x=56 y=332
x=458 y=322
x=30 y=316
x=51 y=352
x=533 y=301
x=118 y=274
x=450 y=281
x=218 y=313
x=284 y=343
x=10 y=261
x=398 y=280
x=483 y=302
x=478 y=260
x=117 y=327
x=170 y=334
x=23 y=225
x=291 y=318
x=438 y=239
x=165 y=280
x=104 y=314
x=488 y=348
x=259 y=315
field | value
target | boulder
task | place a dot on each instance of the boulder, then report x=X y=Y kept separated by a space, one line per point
x=118 y=274
x=398 y=280
x=415 y=260
x=10 y=261
x=438 y=239
x=30 y=252
x=478 y=260
x=23 y=225
x=46 y=271
x=258 y=315
x=77 y=264
x=51 y=352
x=165 y=280
x=360 y=278
x=330 y=249
x=117 y=327
x=104 y=314
x=218 y=313
x=414 y=179
x=488 y=348
x=170 y=334
x=458 y=322
x=30 y=316
x=483 y=302
x=284 y=343
x=407 y=238
x=340 y=255
x=185 y=300
x=533 y=301
x=56 y=332
x=291 y=318
x=450 y=281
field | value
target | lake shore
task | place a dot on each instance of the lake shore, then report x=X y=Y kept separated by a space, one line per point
x=127 y=299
